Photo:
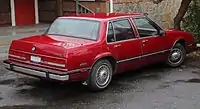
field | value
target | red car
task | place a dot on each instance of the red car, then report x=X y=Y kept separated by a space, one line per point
x=94 y=47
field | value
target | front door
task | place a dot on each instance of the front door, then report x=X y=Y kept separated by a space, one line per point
x=24 y=12
x=124 y=45
x=153 y=43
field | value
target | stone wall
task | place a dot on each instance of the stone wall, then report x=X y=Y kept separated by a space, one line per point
x=162 y=13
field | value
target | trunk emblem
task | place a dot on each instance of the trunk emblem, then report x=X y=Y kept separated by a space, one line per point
x=33 y=49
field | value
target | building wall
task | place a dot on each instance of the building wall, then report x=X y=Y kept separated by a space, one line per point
x=95 y=5
x=162 y=13
x=48 y=9
x=5 y=17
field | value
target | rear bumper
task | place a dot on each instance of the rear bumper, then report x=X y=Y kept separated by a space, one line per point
x=41 y=73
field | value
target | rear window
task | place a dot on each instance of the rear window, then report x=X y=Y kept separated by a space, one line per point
x=79 y=28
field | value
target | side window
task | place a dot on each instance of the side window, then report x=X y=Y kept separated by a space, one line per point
x=145 y=27
x=110 y=34
x=123 y=30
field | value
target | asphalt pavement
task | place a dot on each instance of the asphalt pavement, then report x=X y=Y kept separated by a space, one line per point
x=152 y=87
x=7 y=34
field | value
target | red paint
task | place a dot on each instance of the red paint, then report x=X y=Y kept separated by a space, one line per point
x=74 y=51
x=24 y=12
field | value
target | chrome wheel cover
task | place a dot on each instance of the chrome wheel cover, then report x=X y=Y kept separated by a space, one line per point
x=102 y=75
x=176 y=56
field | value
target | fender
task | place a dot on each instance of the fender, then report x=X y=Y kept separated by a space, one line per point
x=99 y=56
x=96 y=59
x=177 y=39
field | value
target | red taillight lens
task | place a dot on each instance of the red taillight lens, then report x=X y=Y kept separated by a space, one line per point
x=60 y=61
x=16 y=54
x=54 y=62
x=10 y=52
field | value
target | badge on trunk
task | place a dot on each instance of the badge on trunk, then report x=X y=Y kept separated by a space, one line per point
x=33 y=49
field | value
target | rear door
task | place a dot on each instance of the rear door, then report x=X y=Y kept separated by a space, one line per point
x=152 y=41
x=123 y=44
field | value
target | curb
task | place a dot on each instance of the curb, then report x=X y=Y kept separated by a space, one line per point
x=4 y=44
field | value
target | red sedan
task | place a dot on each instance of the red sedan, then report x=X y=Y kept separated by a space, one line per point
x=92 y=48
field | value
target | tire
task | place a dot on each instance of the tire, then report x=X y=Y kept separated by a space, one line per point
x=177 y=55
x=100 y=76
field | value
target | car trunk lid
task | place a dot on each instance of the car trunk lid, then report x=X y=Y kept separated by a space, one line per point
x=51 y=45
x=44 y=49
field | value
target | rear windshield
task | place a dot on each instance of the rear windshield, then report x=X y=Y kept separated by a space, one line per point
x=79 y=28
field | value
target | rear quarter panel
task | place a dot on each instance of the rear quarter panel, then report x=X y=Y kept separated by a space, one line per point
x=86 y=55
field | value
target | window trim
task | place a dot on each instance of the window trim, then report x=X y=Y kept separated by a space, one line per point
x=107 y=32
x=125 y=18
x=152 y=23
x=98 y=33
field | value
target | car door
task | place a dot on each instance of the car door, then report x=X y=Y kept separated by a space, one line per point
x=152 y=39
x=123 y=44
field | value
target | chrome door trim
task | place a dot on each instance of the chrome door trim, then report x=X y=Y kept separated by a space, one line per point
x=111 y=21
x=142 y=56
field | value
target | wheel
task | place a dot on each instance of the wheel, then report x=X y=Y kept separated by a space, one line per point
x=100 y=75
x=176 y=56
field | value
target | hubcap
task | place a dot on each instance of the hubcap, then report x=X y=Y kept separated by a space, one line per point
x=175 y=56
x=103 y=75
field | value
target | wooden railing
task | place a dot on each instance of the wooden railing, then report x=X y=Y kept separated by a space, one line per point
x=83 y=9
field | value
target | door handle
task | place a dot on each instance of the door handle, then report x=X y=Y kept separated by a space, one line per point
x=118 y=45
x=144 y=41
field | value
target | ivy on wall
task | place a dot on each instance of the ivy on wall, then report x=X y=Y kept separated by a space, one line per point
x=191 y=22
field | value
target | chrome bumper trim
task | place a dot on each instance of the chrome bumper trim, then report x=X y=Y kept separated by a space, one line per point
x=28 y=71
x=35 y=72
x=59 y=77
x=6 y=65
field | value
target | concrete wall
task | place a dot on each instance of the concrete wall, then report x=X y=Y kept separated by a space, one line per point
x=162 y=13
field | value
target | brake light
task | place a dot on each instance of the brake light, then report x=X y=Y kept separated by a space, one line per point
x=54 y=62
x=16 y=55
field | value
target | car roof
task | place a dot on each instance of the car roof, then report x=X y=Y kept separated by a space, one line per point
x=102 y=16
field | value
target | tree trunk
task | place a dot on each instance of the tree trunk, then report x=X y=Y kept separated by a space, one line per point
x=182 y=10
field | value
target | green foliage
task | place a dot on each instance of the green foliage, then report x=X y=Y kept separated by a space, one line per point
x=191 y=21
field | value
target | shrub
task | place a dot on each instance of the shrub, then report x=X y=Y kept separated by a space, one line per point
x=191 y=21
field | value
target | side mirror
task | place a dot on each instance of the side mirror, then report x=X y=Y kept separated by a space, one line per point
x=162 y=33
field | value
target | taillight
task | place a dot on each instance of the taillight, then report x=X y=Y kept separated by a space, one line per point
x=16 y=54
x=54 y=62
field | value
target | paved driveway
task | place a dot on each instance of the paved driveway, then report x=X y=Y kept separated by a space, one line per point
x=153 y=87
x=7 y=34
